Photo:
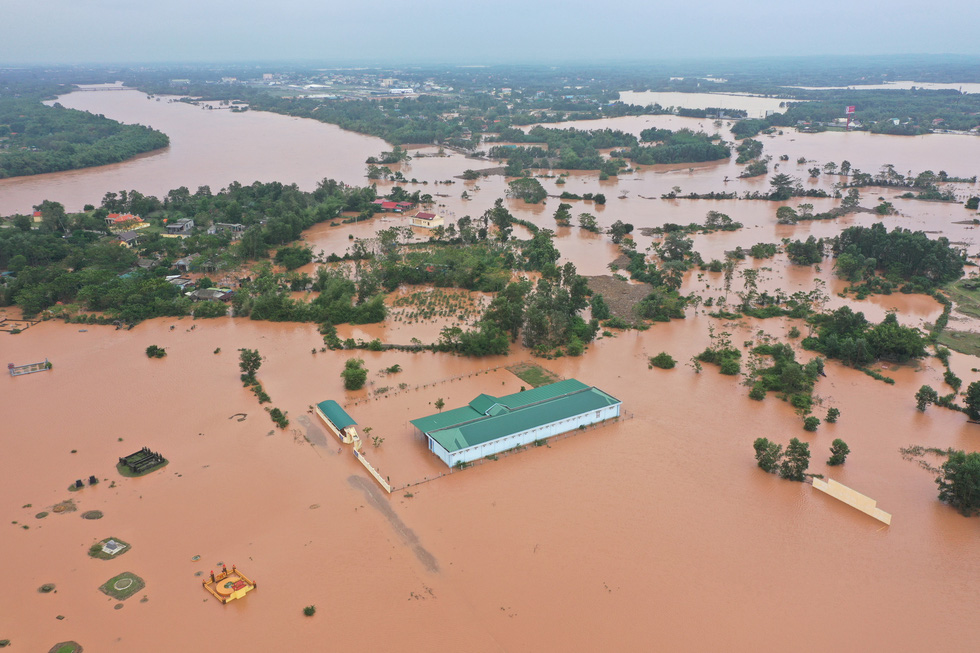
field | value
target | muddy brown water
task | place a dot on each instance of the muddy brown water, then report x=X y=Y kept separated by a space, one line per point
x=656 y=531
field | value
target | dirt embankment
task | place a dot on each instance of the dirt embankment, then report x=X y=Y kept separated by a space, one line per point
x=621 y=296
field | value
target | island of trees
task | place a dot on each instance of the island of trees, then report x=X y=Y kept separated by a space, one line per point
x=36 y=138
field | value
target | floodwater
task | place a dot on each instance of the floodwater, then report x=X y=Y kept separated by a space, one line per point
x=656 y=532
x=755 y=105
x=963 y=87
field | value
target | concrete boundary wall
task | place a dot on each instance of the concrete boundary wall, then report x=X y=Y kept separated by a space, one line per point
x=855 y=499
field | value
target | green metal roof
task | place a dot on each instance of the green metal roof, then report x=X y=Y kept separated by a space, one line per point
x=337 y=415
x=465 y=427
x=534 y=395
x=445 y=419
x=483 y=403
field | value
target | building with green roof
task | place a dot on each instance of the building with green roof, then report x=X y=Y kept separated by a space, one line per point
x=337 y=420
x=489 y=425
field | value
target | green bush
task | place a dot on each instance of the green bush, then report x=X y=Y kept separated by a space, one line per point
x=832 y=415
x=279 y=417
x=758 y=392
x=811 y=423
x=309 y=610
x=730 y=366
x=663 y=360
x=209 y=309
x=155 y=352
x=354 y=374
x=802 y=402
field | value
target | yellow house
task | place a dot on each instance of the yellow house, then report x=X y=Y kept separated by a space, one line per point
x=427 y=220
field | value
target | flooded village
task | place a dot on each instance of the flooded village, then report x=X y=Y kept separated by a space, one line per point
x=628 y=511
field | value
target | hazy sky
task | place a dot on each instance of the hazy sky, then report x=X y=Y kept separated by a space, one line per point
x=462 y=31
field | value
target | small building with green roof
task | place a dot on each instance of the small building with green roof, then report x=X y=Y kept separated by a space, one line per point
x=337 y=420
x=489 y=425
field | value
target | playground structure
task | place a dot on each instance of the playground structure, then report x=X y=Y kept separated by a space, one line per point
x=30 y=368
x=142 y=462
x=229 y=585
x=343 y=426
x=855 y=499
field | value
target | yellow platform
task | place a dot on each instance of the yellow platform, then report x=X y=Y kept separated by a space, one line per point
x=229 y=585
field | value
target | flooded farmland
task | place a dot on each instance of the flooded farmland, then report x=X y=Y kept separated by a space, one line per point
x=655 y=532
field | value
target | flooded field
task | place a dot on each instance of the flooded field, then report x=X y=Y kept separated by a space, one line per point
x=630 y=536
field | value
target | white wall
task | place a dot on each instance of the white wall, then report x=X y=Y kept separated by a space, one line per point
x=523 y=438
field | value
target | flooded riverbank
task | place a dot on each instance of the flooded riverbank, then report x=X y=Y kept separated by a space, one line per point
x=207 y=148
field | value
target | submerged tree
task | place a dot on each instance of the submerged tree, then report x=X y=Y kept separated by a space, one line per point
x=354 y=374
x=925 y=396
x=959 y=482
x=249 y=361
x=767 y=454
x=838 y=452
x=795 y=461
x=973 y=401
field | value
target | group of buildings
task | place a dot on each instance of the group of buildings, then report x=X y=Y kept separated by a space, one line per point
x=489 y=425
x=424 y=219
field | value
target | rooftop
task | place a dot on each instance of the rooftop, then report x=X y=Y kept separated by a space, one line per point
x=337 y=415
x=489 y=418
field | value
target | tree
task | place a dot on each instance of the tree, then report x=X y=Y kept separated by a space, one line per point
x=959 y=482
x=832 y=415
x=440 y=404
x=528 y=189
x=354 y=374
x=796 y=461
x=925 y=396
x=838 y=452
x=588 y=222
x=782 y=187
x=249 y=362
x=53 y=216
x=767 y=454
x=663 y=360
x=600 y=310
x=852 y=199
x=563 y=216
x=155 y=352
x=786 y=215
x=811 y=423
x=618 y=230
x=501 y=219
x=972 y=401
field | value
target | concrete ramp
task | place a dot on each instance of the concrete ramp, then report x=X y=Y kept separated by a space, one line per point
x=855 y=499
